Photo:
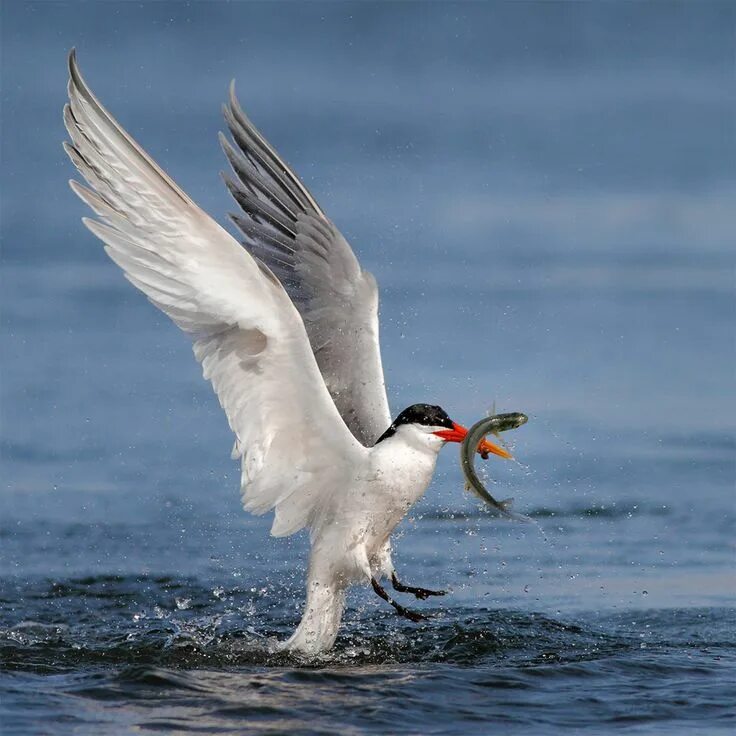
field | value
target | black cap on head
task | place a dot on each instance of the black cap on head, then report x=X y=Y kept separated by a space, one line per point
x=426 y=414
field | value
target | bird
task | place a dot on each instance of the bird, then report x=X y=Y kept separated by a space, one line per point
x=285 y=326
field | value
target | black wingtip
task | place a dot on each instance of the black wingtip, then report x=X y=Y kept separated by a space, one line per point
x=230 y=184
x=227 y=148
x=75 y=76
x=229 y=108
x=72 y=62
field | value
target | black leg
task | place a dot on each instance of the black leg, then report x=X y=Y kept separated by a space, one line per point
x=411 y=615
x=421 y=593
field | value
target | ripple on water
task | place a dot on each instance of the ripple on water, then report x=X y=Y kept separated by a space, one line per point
x=125 y=642
x=106 y=624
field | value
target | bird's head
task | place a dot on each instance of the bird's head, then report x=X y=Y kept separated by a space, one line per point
x=430 y=425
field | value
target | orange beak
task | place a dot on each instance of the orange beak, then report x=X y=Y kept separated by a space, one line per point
x=457 y=434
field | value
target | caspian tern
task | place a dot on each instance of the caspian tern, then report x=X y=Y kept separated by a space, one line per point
x=285 y=326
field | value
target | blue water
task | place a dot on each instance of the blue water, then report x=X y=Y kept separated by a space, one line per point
x=545 y=192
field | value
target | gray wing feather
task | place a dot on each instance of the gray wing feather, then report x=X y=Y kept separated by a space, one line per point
x=284 y=227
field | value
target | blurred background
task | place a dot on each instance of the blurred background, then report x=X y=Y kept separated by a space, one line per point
x=544 y=191
x=546 y=195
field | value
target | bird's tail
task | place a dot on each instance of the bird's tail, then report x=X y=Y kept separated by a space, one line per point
x=317 y=630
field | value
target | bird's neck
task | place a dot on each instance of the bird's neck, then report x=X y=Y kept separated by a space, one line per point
x=406 y=458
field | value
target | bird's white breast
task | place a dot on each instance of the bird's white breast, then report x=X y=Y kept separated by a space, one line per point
x=396 y=474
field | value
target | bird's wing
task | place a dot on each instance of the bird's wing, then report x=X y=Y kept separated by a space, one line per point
x=284 y=226
x=294 y=447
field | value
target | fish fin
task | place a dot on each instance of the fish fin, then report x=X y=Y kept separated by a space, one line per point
x=506 y=505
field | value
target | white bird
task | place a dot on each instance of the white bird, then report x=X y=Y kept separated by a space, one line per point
x=286 y=329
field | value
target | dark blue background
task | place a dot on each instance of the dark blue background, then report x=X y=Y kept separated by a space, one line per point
x=545 y=193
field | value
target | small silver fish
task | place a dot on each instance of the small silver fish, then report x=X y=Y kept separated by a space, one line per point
x=490 y=425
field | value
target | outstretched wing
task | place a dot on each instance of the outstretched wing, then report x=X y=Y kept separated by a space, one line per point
x=283 y=226
x=295 y=449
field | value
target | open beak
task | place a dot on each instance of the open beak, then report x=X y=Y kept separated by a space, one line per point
x=457 y=434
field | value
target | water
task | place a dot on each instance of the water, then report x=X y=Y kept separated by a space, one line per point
x=545 y=194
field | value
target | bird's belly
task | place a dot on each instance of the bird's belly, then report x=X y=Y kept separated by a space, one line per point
x=385 y=513
x=354 y=530
x=381 y=525
x=356 y=535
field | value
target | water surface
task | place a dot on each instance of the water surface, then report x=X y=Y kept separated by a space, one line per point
x=545 y=194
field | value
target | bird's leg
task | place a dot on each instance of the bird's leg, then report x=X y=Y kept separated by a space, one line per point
x=421 y=593
x=411 y=615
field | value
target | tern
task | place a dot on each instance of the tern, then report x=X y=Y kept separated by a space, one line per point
x=285 y=326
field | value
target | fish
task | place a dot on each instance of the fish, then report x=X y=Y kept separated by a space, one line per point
x=490 y=425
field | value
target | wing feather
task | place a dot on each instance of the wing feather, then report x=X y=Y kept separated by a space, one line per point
x=295 y=449
x=283 y=225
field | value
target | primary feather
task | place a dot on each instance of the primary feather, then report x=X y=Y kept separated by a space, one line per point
x=283 y=225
